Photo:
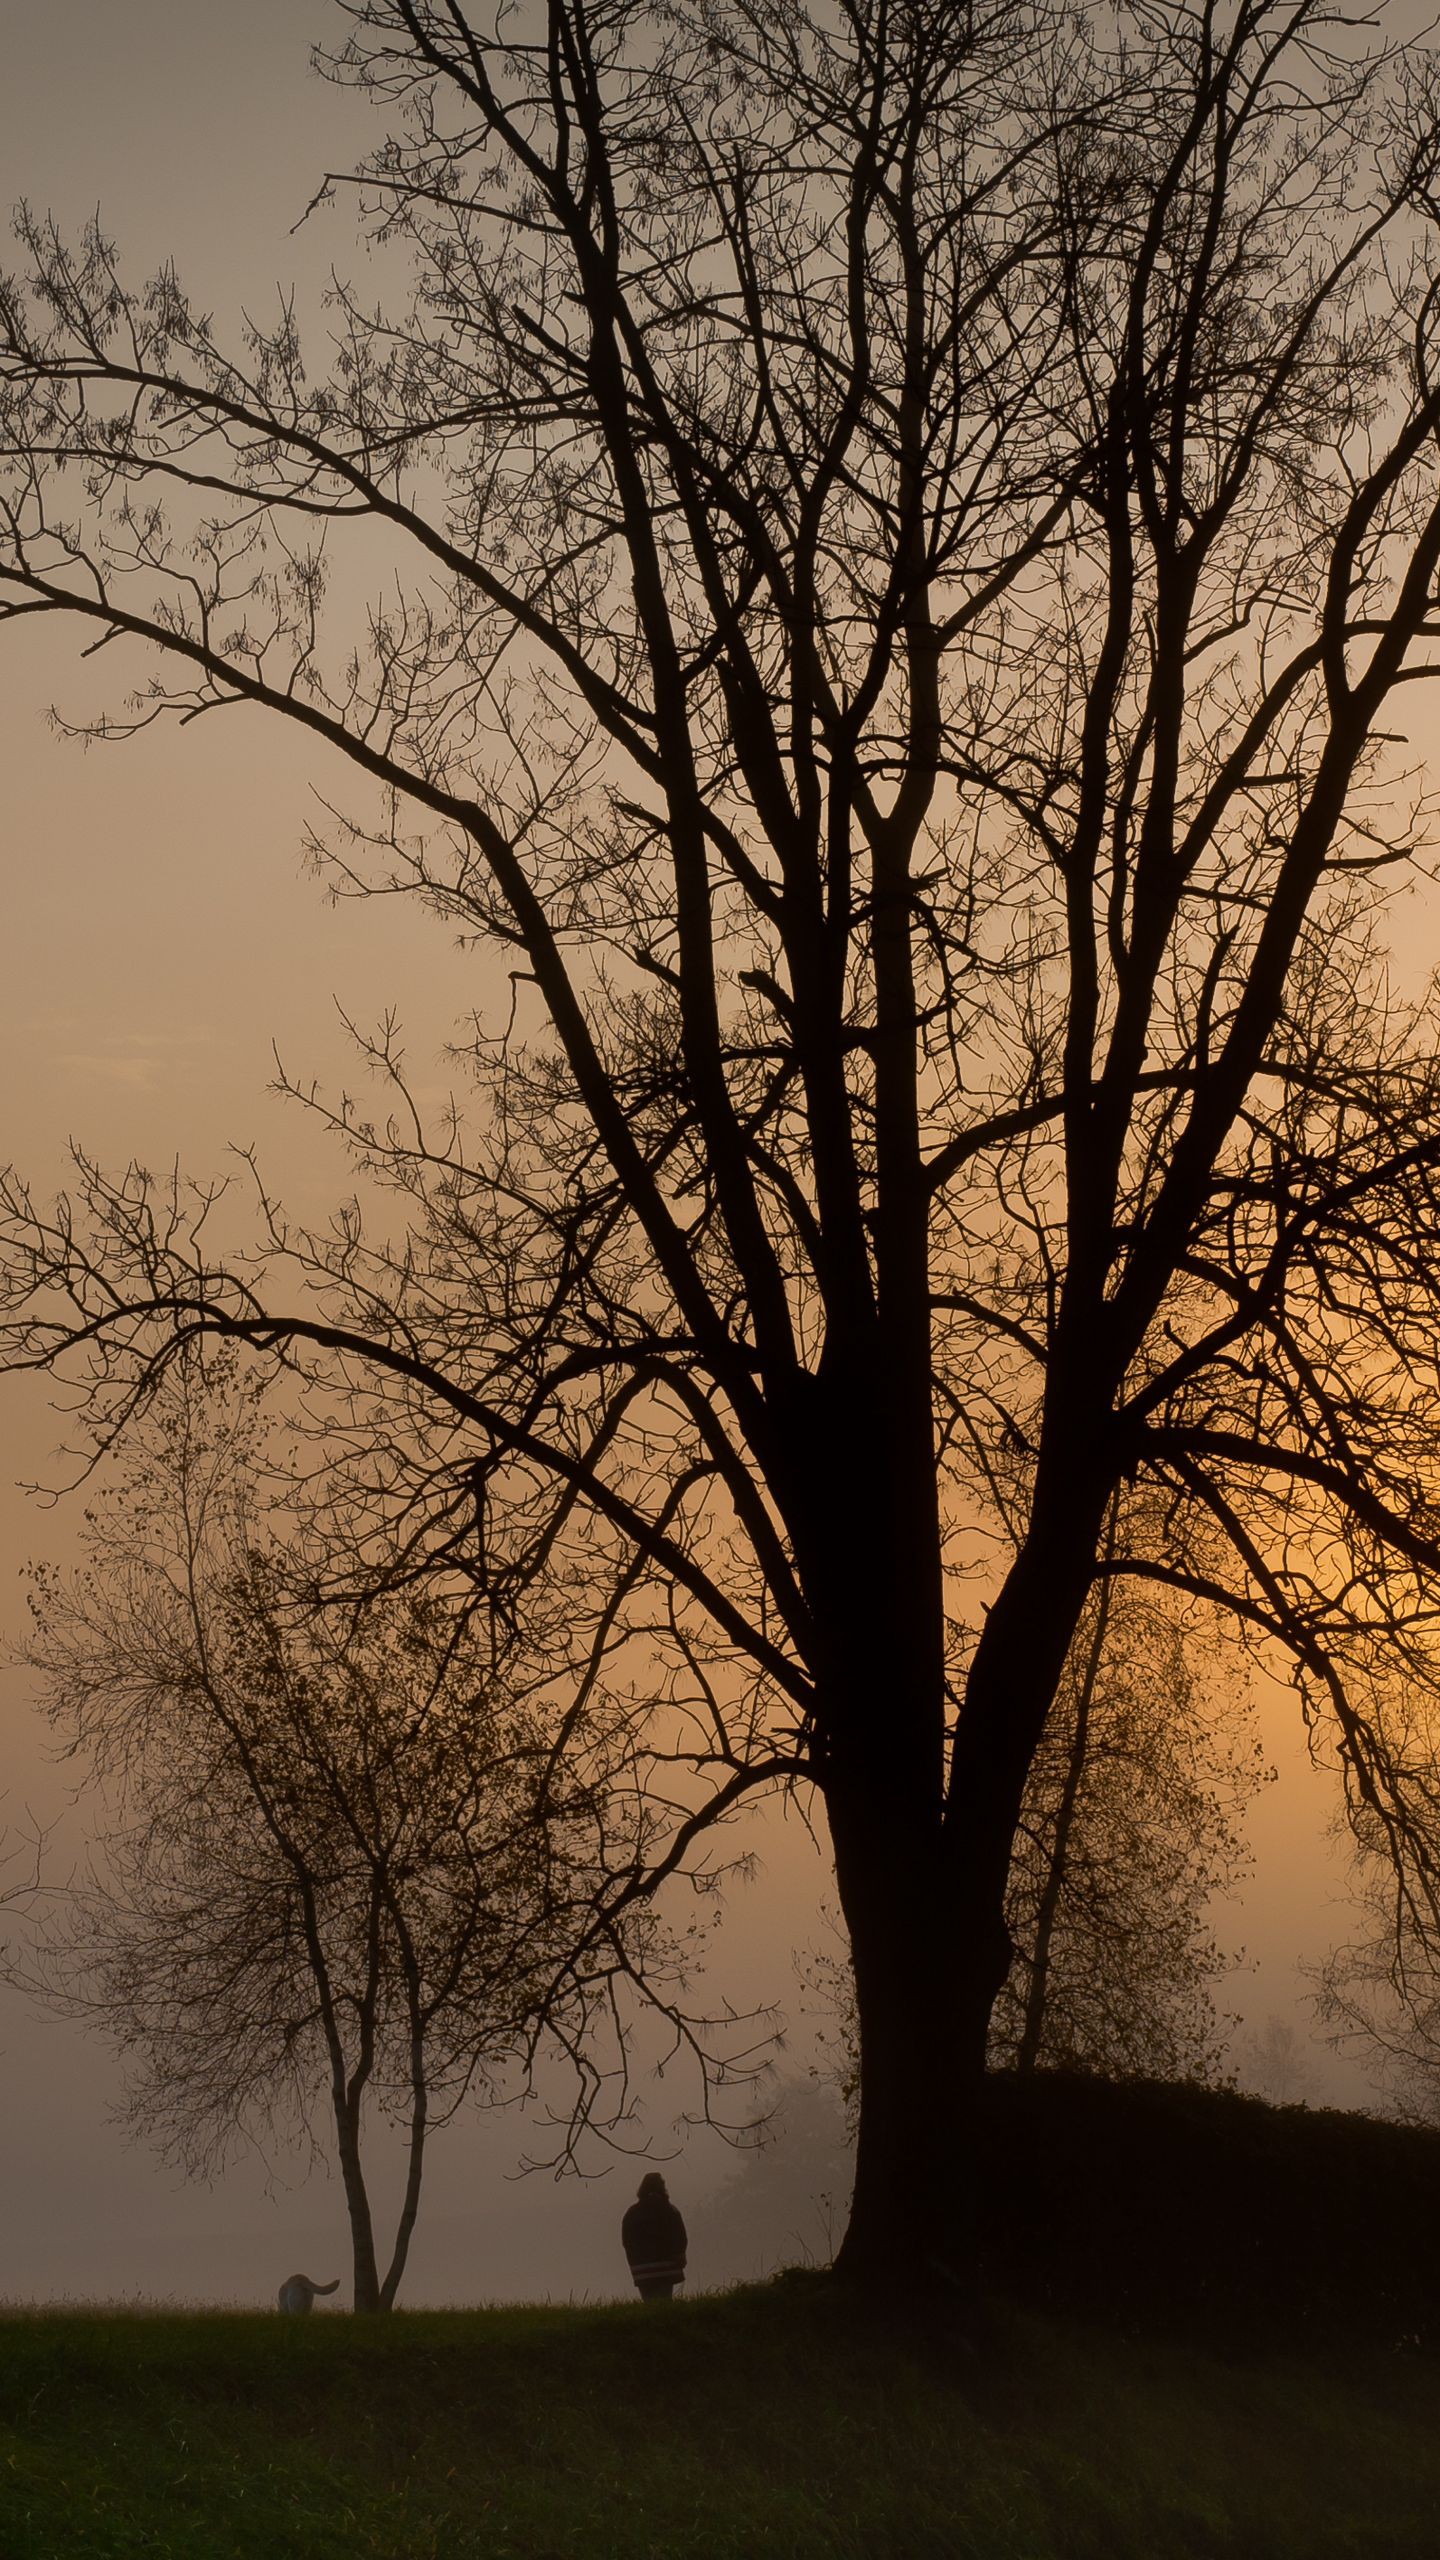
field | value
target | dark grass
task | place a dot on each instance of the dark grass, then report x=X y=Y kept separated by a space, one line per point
x=784 y=2419
x=770 y=2422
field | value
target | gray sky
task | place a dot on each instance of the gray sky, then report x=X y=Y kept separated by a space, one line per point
x=159 y=937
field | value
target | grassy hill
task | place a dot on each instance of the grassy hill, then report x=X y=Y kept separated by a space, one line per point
x=783 y=2420
x=1212 y=2212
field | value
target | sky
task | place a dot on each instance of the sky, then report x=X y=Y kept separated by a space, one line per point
x=161 y=943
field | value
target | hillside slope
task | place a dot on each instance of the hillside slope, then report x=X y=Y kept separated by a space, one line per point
x=1205 y=2360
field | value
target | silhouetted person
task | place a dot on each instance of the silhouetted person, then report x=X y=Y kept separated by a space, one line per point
x=654 y=2238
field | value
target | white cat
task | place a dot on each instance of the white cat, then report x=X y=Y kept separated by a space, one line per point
x=297 y=2293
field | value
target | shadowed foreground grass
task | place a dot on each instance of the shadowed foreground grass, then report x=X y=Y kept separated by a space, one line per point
x=777 y=2420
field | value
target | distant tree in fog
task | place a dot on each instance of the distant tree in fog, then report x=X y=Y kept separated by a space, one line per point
x=344 y=1868
x=1274 y=2061
x=1377 y=1996
x=783 y=2202
x=1131 y=1830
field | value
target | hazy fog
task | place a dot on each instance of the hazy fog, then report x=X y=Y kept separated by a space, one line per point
x=159 y=938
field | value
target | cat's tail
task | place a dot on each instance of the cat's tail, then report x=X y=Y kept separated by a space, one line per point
x=326 y=2288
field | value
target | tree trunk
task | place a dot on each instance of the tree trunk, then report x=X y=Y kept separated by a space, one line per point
x=922 y=1874
x=921 y=2009
x=1038 y=1988
x=419 y=2119
x=922 y=1999
x=357 y=2203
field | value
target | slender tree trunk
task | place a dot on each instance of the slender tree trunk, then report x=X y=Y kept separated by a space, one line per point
x=1037 y=1990
x=419 y=2119
x=357 y=2204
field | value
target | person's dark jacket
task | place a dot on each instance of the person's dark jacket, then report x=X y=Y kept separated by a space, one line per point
x=654 y=2239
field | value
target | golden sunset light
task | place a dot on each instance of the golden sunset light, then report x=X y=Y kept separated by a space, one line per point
x=720 y=1277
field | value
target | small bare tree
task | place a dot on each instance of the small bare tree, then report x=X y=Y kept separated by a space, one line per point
x=342 y=1859
x=1377 y=1995
x=1130 y=1832
x=1274 y=2061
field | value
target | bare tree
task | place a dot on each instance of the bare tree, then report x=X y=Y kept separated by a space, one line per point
x=783 y=2202
x=1275 y=2063
x=904 y=527
x=339 y=1860
x=1377 y=1995
x=1381 y=2006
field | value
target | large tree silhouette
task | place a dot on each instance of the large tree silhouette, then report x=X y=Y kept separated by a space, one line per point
x=896 y=530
